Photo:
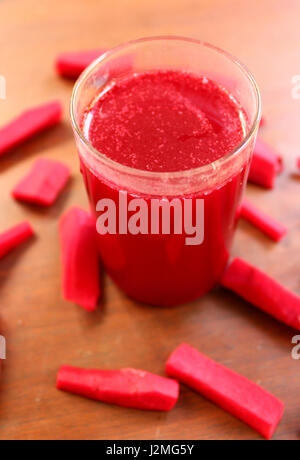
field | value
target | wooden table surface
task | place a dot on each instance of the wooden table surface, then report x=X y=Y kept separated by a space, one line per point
x=43 y=331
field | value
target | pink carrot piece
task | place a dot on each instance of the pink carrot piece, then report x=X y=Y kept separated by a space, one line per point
x=263 y=292
x=43 y=184
x=80 y=258
x=12 y=238
x=265 y=166
x=126 y=387
x=28 y=124
x=229 y=390
x=271 y=227
x=71 y=65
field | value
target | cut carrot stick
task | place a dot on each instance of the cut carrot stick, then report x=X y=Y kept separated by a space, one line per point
x=80 y=258
x=229 y=390
x=271 y=227
x=263 y=292
x=12 y=238
x=71 y=65
x=265 y=166
x=43 y=184
x=28 y=124
x=126 y=387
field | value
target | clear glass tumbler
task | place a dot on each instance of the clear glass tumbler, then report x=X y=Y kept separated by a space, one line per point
x=161 y=269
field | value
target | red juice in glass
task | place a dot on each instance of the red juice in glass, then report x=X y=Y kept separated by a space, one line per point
x=171 y=133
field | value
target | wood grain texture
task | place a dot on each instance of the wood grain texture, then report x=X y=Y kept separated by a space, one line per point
x=42 y=330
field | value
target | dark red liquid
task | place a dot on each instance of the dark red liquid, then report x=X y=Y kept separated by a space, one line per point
x=166 y=122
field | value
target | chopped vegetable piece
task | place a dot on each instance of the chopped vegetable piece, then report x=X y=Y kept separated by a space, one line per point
x=298 y=163
x=80 y=258
x=126 y=387
x=71 y=65
x=263 y=292
x=265 y=166
x=43 y=183
x=263 y=149
x=28 y=124
x=15 y=236
x=271 y=227
x=231 y=391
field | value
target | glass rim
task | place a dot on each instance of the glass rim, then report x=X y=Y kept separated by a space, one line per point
x=165 y=175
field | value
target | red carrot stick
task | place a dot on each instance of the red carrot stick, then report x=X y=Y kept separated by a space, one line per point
x=271 y=227
x=80 y=258
x=28 y=124
x=264 y=150
x=265 y=166
x=229 y=390
x=263 y=292
x=15 y=236
x=126 y=387
x=43 y=184
x=71 y=65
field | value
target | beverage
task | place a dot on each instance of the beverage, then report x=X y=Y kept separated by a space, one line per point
x=169 y=132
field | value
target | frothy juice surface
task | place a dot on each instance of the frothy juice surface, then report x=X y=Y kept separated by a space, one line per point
x=166 y=122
